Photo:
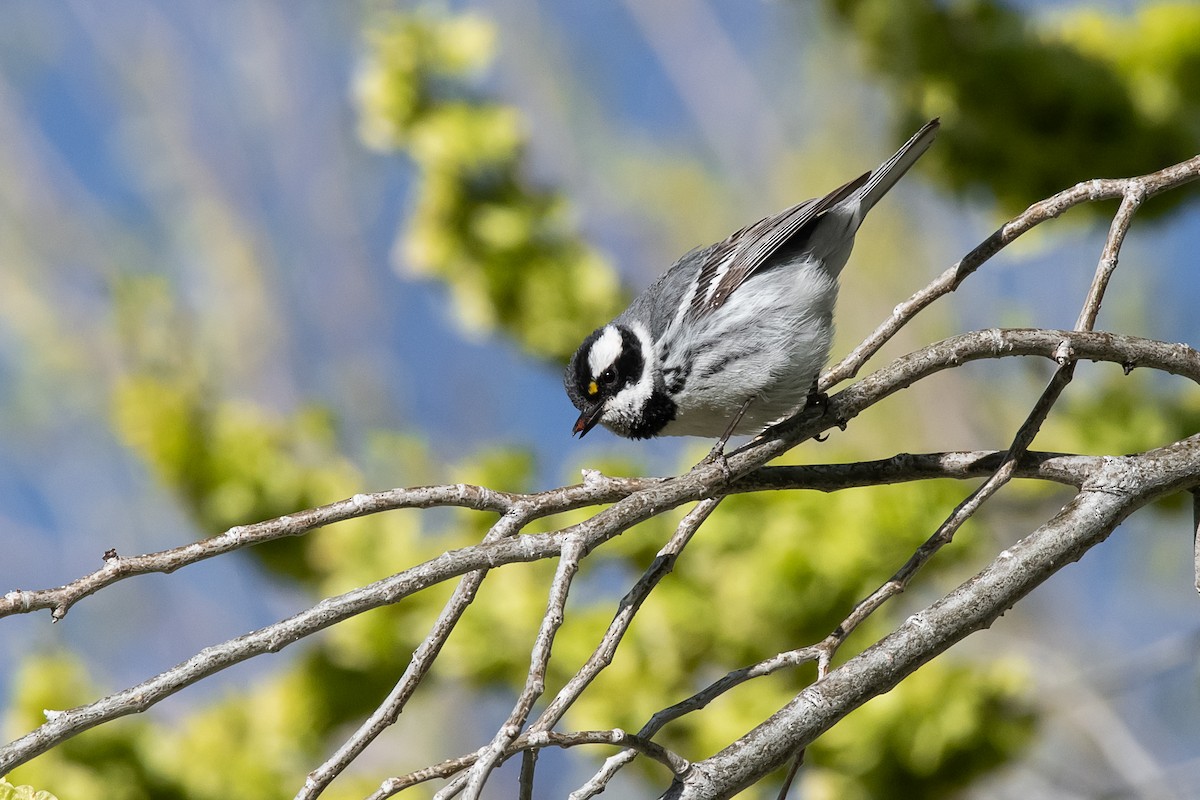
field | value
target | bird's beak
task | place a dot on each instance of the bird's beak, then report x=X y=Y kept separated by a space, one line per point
x=587 y=420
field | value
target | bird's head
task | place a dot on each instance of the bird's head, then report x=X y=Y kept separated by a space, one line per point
x=610 y=381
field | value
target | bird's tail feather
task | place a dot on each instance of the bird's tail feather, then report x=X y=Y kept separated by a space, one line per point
x=893 y=169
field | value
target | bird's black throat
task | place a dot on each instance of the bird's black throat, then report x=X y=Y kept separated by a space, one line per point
x=659 y=411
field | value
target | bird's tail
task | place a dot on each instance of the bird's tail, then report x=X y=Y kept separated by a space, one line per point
x=893 y=169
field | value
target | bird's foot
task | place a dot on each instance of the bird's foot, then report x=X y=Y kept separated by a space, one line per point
x=717 y=456
x=816 y=401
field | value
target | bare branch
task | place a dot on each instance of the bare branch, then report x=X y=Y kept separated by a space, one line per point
x=1129 y=351
x=616 y=736
x=117 y=568
x=1070 y=470
x=951 y=279
x=664 y=563
x=1130 y=202
x=388 y=712
x=945 y=532
x=1120 y=487
x=901 y=468
x=768 y=666
x=658 y=496
x=603 y=654
x=1176 y=359
x=535 y=683
x=1196 y=535
x=272 y=638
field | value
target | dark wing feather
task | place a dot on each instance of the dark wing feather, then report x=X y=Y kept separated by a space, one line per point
x=749 y=249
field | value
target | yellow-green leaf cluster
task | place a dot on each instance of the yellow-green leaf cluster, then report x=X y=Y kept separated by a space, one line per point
x=1153 y=49
x=773 y=572
x=10 y=792
x=929 y=737
x=1030 y=108
x=507 y=249
x=767 y=573
x=252 y=742
x=229 y=461
x=1123 y=415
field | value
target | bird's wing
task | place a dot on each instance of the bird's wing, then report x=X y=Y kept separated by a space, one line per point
x=731 y=262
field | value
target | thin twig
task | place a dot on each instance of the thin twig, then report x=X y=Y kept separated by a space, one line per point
x=1131 y=200
x=602 y=656
x=1120 y=487
x=628 y=607
x=790 y=778
x=573 y=550
x=945 y=532
x=698 y=701
x=119 y=567
x=528 y=768
x=1050 y=208
x=673 y=761
x=388 y=712
x=649 y=501
x=1063 y=468
x=1196 y=535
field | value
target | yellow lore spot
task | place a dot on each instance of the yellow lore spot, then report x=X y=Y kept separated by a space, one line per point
x=593 y=388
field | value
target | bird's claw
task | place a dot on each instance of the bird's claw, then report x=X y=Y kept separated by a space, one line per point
x=716 y=456
x=816 y=400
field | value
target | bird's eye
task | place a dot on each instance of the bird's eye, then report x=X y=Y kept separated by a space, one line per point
x=608 y=377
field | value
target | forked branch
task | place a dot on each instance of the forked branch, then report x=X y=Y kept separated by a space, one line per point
x=1109 y=489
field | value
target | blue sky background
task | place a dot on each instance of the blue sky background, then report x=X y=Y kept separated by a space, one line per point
x=185 y=138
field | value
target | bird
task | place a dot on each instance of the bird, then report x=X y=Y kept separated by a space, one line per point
x=731 y=339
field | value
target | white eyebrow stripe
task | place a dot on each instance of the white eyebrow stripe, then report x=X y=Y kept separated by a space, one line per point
x=605 y=351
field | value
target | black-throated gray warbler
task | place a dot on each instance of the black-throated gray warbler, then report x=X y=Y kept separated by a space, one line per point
x=732 y=337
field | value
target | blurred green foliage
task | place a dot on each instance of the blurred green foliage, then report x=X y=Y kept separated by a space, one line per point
x=10 y=792
x=1032 y=105
x=772 y=572
x=919 y=754
x=229 y=462
x=1141 y=415
x=1152 y=416
x=505 y=247
x=765 y=575
x=768 y=573
x=246 y=744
